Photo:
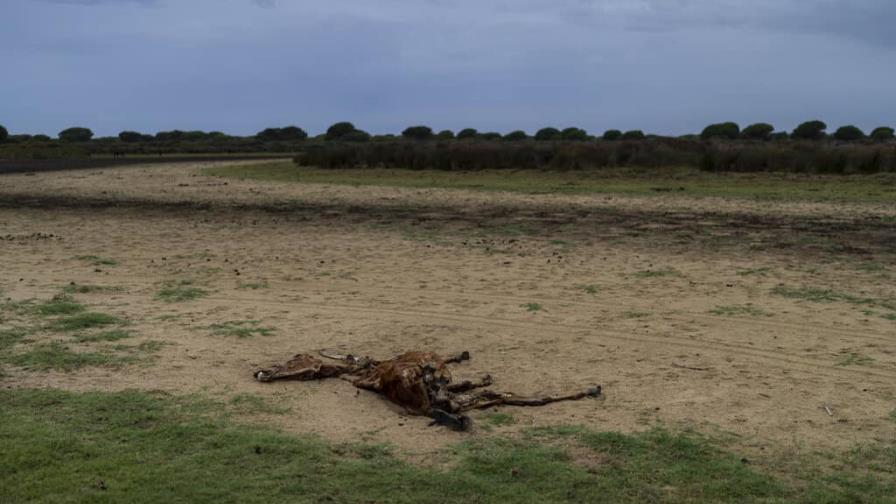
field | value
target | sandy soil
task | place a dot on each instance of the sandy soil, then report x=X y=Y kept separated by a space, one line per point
x=327 y=267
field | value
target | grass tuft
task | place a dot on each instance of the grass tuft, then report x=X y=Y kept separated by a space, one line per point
x=83 y=321
x=735 y=310
x=58 y=356
x=532 y=307
x=97 y=260
x=240 y=329
x=177 y=291
x=113 y=335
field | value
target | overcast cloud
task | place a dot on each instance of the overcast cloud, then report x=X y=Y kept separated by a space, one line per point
x=665 y=66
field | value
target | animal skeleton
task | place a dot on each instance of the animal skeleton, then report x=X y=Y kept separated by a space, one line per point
x=420 y=382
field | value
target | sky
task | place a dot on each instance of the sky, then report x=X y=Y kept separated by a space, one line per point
x=664 y=66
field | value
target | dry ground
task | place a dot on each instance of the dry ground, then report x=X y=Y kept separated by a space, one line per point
x=688 y=311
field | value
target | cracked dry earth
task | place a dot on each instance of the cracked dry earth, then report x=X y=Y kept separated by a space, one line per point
x=685 y=314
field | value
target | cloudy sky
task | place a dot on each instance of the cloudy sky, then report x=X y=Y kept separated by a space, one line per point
x=665 y=66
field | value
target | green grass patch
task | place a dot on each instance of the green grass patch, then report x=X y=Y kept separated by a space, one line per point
x=250 y=404
x=9 y=337
x=532 y=307
x=638 y=182
x=182 y=290
x=60 y=357
x=97 y=260
x=74 y=288
x=113 y=335
x=132 y=446
x=668 y=272
x=59 y=305
x=84 y=321
x=253 y=285
x=854 y=359
x=240 y=329
x=499 y=419
x=737 y=310
x=591 y=289
x=754 y=272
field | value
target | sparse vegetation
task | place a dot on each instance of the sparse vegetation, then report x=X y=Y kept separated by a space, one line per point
x=113 y=335
x=736 y=310
x=97 y=260
x=613 y=181
x=74 y=288
x=109 y=444
x=180 y=290
x=240 y=329
x=532 y=307
x=854 y=359
x=631 y=314
x=591 y=289
x=667 y=272
x=60 y=357
x=499 y=419
x=83 y=321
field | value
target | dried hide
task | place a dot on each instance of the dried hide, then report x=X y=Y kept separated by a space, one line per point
x=420 y=382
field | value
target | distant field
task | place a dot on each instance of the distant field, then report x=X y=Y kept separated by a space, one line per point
x=681 y=181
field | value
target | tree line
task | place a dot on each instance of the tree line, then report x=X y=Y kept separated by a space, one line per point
x=347 y=132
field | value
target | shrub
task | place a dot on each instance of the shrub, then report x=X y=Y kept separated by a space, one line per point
x=549 y=133
x=758 y=131
x=727 y=130
x=779 y=136
x=575 y=134
x=356 y=136
x=130 y=136
x=810 y=130
x=445 y=135
x=339 y=130
x=849 y=133
x=4 y=134
x=516 y=136
x=417 y=133
x=490 y=135
x=41 y=138
x=289 y=133
x=467 y=133
x=169 y=136
x=633 y=135
x=883 y=133
x=612 y=135
x=76 y=134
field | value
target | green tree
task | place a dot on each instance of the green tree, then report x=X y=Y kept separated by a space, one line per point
x=417 y=133
x=490 y=135
x=728 y=130
x=467 y=133
x=883 y=133
x=758 y=131
x=289 y=133
x=41 y=138
x=545 y=134
x=445 y=135
x=810 y=130
x=75 y=134
x=576 y=134
x=849 y=133
x=130 y=136
x=515 y=136
x=4 y=134
x=612 y=134
x=355 y=136
x=633 y=135
x=340 y=130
